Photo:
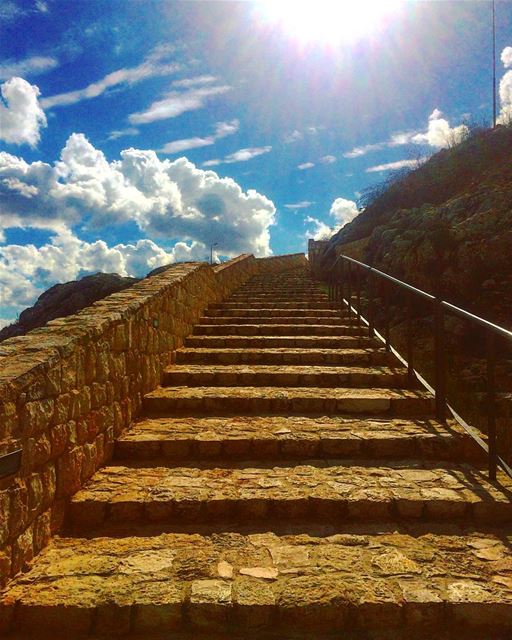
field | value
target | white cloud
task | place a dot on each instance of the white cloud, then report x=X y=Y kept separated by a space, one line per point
x=357 y=152
x=327 y=159
x=292 y=137
x=303 y=204
x=320 y=230
x=242 y=155
x=393 y=166
x=26 y=271
x=154 y=65
x=165 y=199
x=21 y=117
x=506 y=57
x=186 y=83
x=343 y=211
x=305 y=165
x=222 y=129
x=439 y=133
x=32 y=66
x=175 y=103
x=505 y=91
x=129 y=131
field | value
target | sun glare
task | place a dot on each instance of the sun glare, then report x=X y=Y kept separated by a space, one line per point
x=328 y=21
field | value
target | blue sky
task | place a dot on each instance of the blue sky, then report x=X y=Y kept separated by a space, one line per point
x=135 y=133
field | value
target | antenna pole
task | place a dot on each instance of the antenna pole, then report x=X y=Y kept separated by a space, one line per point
x=493 y=64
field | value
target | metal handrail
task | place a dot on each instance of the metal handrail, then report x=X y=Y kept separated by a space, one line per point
x=337 y=284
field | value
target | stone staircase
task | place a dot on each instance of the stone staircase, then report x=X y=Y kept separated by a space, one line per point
x=285 y=481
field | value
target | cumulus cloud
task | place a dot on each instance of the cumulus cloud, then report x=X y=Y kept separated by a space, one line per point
x=21 y=116
x=165 y=199
x=154 y=65
x=34 y=65
x=506 y=57
x=242 y=155
x=222 y=129
x=393 y=166
x=305 y=165
x=505 y=90
x=319 y=231
x=439 y=133
x=26 y=271
x=327 y=159
x=342 y=212
x=177 y=102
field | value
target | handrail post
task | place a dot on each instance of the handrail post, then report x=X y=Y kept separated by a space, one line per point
x=410 y=342
x=491 y=404
x=342 y=289
x=440 y=361
x=371 y=326
x=386 y=313
x=349 y=297
x=358 y=298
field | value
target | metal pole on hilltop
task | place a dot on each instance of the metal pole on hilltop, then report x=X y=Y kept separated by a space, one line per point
x=493 y=64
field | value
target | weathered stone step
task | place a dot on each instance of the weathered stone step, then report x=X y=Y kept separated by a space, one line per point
x=269 y=319
x=261 y=329
x=317 y=490
x=278 y=291
x=277 y=305
x=289 y=400
x=292 y=437
x=263 y=342
x=300 y=586
x=265 y=312
x=275 y=297
x=259 y=375
x=285 y=356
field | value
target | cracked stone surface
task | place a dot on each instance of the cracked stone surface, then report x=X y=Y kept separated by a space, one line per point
x=264 y=579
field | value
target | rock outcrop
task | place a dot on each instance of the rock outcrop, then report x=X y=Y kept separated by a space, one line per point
x=62 y=300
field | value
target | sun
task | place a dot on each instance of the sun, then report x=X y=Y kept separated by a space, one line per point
x=328 y=21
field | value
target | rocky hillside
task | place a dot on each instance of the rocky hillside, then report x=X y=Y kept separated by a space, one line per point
x=446 y=226
x=64 y=299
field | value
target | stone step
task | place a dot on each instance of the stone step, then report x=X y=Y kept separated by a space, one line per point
x=293 y=437
x=388 y=584
x=287 y=400
x=270 y=319
x=277 y=305
x=274 y=297
x=323 y=357
x=265 y=312
x=259 y=375
x=279 y=291
x=333 y=491
x=264 y=342
x=261 y=329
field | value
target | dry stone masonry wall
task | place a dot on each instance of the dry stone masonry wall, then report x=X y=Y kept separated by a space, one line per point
x=69 y=389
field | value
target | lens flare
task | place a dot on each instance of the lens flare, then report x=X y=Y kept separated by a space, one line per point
x=328 y=21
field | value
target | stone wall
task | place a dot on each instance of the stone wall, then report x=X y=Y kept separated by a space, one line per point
x=68 y=390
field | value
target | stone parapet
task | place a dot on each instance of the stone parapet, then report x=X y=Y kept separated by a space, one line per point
x=69 y=389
